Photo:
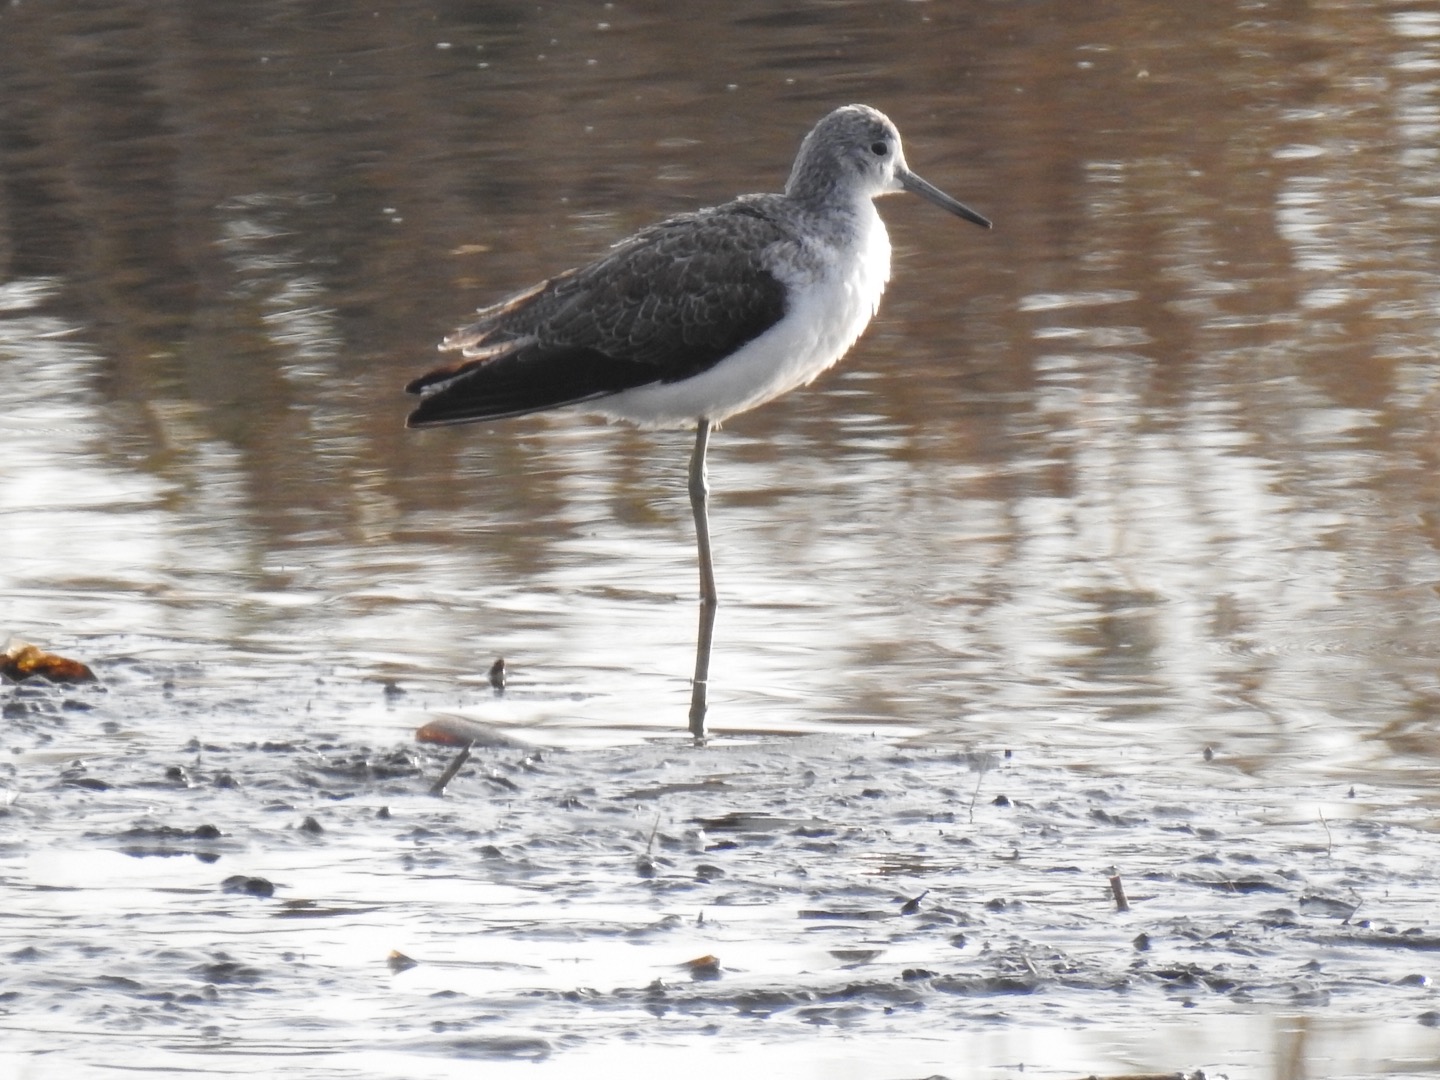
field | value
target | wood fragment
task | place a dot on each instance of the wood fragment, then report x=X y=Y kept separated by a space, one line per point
x=437 y=789
x=1118 y=891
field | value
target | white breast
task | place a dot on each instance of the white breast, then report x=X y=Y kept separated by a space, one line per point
x=830 y=302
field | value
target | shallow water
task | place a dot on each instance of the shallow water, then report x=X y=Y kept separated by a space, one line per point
x=1149 y=468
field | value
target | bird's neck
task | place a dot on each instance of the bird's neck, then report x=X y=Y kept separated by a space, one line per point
x=844 y=224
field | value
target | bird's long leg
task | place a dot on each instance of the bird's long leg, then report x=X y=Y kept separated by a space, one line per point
x=699 y=498
x=709 y=599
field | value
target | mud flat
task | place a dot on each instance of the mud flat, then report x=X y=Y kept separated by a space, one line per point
x=193 y=894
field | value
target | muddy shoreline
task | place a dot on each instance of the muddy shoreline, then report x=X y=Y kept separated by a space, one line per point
x=304 y=890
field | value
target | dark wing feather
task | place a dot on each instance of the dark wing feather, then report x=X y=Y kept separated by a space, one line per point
x=666 y=304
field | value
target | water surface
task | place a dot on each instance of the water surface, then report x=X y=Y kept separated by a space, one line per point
x=1152 y=464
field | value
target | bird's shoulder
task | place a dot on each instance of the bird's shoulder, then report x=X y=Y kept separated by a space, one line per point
x=704 y=275
x=746 y=232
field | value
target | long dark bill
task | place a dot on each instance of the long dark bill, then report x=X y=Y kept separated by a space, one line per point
x=926 y=190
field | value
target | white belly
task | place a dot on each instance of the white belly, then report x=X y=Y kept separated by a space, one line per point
x=826 y=313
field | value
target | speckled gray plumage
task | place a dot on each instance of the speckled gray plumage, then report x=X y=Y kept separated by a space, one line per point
x=672 y=300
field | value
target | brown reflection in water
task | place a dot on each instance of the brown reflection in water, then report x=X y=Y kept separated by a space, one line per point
x=1163 y=445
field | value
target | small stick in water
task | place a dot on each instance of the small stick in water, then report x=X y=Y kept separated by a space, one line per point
x=1118 y=891
x=437 y=789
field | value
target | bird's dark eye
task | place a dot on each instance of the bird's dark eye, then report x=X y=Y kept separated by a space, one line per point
x=879 y=149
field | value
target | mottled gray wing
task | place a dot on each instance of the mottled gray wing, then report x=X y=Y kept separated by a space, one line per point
x=666 y=304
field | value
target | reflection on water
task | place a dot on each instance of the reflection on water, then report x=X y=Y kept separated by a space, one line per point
x=1152 y=463
x=1155 y=458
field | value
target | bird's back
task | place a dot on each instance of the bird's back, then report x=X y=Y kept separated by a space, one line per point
x=665 y=304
